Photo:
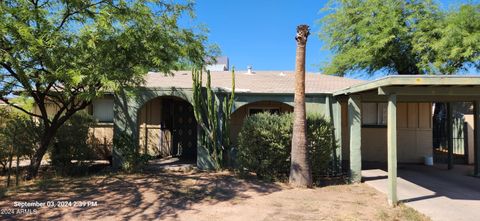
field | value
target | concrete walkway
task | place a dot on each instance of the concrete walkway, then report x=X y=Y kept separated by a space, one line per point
x=434 y=191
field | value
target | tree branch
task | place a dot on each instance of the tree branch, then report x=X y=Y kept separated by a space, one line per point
x=19 y=108
x=69 y=13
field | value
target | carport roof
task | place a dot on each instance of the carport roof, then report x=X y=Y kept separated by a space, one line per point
x=409 y=84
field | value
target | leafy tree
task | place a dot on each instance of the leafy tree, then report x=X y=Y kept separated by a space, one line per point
x=66 y=53
x=400 y=37
x=459 y=46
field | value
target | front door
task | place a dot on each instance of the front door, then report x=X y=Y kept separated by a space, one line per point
x=184 y=130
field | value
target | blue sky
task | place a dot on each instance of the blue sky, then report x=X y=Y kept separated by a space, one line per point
x=261 y=32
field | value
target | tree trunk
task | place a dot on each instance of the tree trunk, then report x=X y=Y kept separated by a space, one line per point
x=10 y=157
x=17 y=170
x=300 y=172
x=38 y=155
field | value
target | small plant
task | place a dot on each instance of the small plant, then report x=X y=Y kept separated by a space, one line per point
x=3 y=192
x=45 y=184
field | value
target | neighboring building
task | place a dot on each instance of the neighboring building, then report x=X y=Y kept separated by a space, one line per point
x=221 y=64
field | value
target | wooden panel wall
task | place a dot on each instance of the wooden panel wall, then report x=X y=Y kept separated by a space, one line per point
x=102 y=139
x=152 y=140
x=414 y=123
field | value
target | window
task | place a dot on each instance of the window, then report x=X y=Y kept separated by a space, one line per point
x=103 y=110
x=253 y=111
x=374 y=114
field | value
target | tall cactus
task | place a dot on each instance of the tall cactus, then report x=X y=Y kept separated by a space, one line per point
x=213 y=120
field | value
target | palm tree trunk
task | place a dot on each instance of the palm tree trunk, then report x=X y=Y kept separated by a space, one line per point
x=300 y=172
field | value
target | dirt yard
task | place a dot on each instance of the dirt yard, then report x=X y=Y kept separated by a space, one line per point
x=195 y=196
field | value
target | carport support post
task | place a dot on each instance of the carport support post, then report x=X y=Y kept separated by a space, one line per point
x=354 y=122
x=476 y=138
x=337 y=138
x=392 y=149
x=450 y=136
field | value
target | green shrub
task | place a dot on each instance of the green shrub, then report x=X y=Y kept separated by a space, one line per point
x=19 y=136
x=264 y=146
x=18 y=140
x=320 y=147
x=132 y=159
x=5 y=116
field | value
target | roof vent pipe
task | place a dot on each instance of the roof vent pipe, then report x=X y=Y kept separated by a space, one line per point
x=249 y=69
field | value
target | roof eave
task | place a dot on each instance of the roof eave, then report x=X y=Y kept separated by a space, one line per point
x=411 y=80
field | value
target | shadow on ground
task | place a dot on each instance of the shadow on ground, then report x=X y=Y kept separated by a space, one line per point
x=456 y=184
x=149 y=195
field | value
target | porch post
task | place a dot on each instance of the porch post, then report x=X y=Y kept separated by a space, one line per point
x=392 y=149
x=476 y=138
x=449 y=136
x=354 y=122
x=337 y=138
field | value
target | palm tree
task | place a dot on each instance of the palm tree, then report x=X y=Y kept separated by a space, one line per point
x=300 y=173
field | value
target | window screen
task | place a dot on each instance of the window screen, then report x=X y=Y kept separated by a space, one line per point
x=252 y=111
x=103 y=110
x=374 y=114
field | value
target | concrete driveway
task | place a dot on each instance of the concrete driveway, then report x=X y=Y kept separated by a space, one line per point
x=434 y=191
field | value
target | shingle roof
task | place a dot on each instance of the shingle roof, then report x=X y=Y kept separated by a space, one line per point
x=259 y=82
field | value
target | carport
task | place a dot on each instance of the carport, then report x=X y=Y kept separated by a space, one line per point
x=403 y=88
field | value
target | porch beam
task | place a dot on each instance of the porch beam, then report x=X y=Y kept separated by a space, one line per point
x=476 y=138
x=354 y=122
x=432 y=91
x=392 y=149
x=418 y=98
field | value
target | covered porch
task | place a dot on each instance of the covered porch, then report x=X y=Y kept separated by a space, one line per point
x=393 y=90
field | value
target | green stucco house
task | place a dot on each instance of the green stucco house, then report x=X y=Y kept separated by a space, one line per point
x=387 y=120
x=159 y=116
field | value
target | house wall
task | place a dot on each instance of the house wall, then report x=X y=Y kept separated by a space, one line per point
x=152 y=139
x=102 y=133
x=50 y=107
x=470 y=128
x=414 y=135
x=102 y=139
x=345 y=132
